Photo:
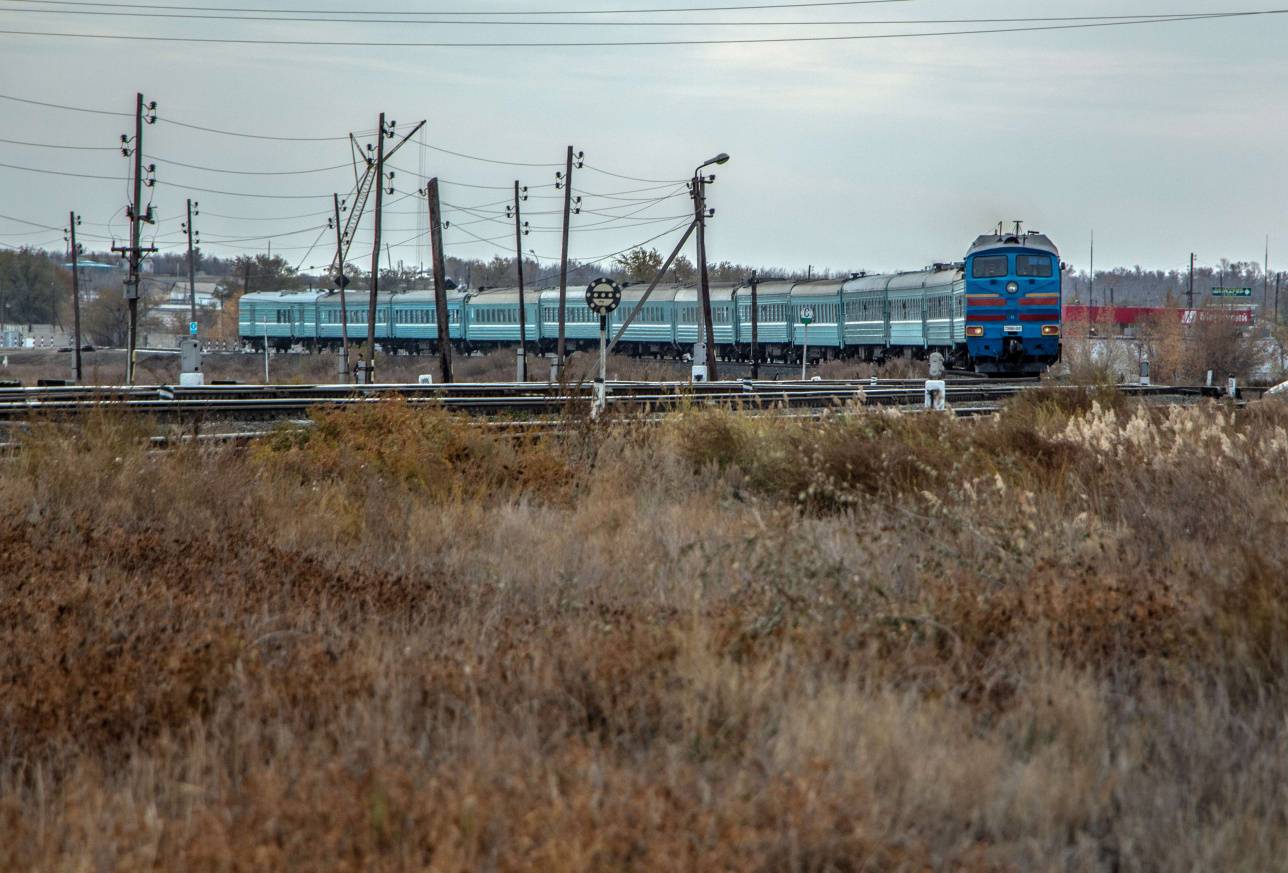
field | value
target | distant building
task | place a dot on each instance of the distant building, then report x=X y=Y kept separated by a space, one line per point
x=1125 y=319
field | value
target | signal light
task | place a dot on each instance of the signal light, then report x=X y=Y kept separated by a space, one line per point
x=974 y=330
x=1050 y=330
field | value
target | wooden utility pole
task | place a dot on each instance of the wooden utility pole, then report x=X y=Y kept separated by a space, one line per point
x=755 y=327
x=135 y=251
x=566 y=181
x=704 y=286
x=381 y=132
x=341 y=283
x=1091 y=288
x=192 y=268
x=72 y=220
x=523 y=315
x=440 y=281
x=136 y=219
x=1189 y=296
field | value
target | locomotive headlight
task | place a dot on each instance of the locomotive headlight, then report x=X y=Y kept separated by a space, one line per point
x=1050 y=330
x=1012 y=287
x=974 y=330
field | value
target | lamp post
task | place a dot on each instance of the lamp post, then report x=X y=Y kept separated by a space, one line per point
x=704 y=356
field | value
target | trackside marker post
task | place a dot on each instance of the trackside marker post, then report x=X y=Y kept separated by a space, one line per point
x=807 y=318
x=603 y=296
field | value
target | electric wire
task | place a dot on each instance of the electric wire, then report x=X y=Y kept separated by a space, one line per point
x=62 y=173
x=46 y=145
x=805 y=22
x=251 y=172
x=601 y=44
x=543 y=12
x=30 y=223
x=632 y=178
x=450 y=182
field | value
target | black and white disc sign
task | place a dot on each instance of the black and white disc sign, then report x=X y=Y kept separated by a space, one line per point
x=603 y=296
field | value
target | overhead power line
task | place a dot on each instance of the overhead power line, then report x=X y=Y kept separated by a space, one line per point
x=829 y=38
x=343 y=166
x=62 y=173
x=455 y=13
x=248 y=135
x=47 y=145
x=301 y=18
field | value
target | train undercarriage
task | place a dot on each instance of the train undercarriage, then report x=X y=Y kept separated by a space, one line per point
x=1014 y=362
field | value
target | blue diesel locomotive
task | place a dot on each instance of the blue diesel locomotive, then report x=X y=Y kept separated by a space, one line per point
x=998 y=312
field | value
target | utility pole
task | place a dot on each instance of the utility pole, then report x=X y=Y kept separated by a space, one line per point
x=705 y=347
x=341 y=283
x=190 y=346
x=564 y=179
x=440 y=281
x=1189 y=296
x=755 y=326
x=721 y=158
x=1265 y=279
x=134 y=251
x=520 y=230
x=1278 y=277
x=193 y=237
x=383 y=131
x=72 y=221
x=1091 y=290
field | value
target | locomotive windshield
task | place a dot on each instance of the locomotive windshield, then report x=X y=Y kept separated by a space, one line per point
x=1034 y=265
x=989 y=267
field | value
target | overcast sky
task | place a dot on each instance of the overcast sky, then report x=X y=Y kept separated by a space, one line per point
x=873 y=154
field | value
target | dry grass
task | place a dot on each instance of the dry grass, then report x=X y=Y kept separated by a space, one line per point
x=1052 y=641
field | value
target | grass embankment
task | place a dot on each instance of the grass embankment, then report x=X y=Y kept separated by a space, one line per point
x=1056 y=640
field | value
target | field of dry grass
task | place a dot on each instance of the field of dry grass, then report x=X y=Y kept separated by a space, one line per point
x=1053 y=641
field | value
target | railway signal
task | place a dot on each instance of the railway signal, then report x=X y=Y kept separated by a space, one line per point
x=603 y=296
x=807 y=318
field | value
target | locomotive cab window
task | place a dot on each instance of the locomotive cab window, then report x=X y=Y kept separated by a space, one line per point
x=1039 y=266
x=989 y=267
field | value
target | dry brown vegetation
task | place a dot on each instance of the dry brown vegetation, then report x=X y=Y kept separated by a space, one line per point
x=1056 y=640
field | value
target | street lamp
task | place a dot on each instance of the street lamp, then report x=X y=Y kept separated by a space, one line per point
x=718 y=160
x=704 y=361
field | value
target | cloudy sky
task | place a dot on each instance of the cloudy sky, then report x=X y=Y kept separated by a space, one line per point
x=876 y=153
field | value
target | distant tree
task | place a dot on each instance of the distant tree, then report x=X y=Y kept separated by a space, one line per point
x=32 y=284
x=639 y=265
x=105 y=319
x=260 y=273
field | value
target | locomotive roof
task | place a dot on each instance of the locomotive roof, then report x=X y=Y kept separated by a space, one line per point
x=1027 y=240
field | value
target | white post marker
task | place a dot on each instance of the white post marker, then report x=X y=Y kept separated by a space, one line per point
x=265 y=349
x=603 y=296
x=936 y=395
x=807 y=318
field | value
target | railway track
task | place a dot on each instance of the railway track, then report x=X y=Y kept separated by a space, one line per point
x=508 y=400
